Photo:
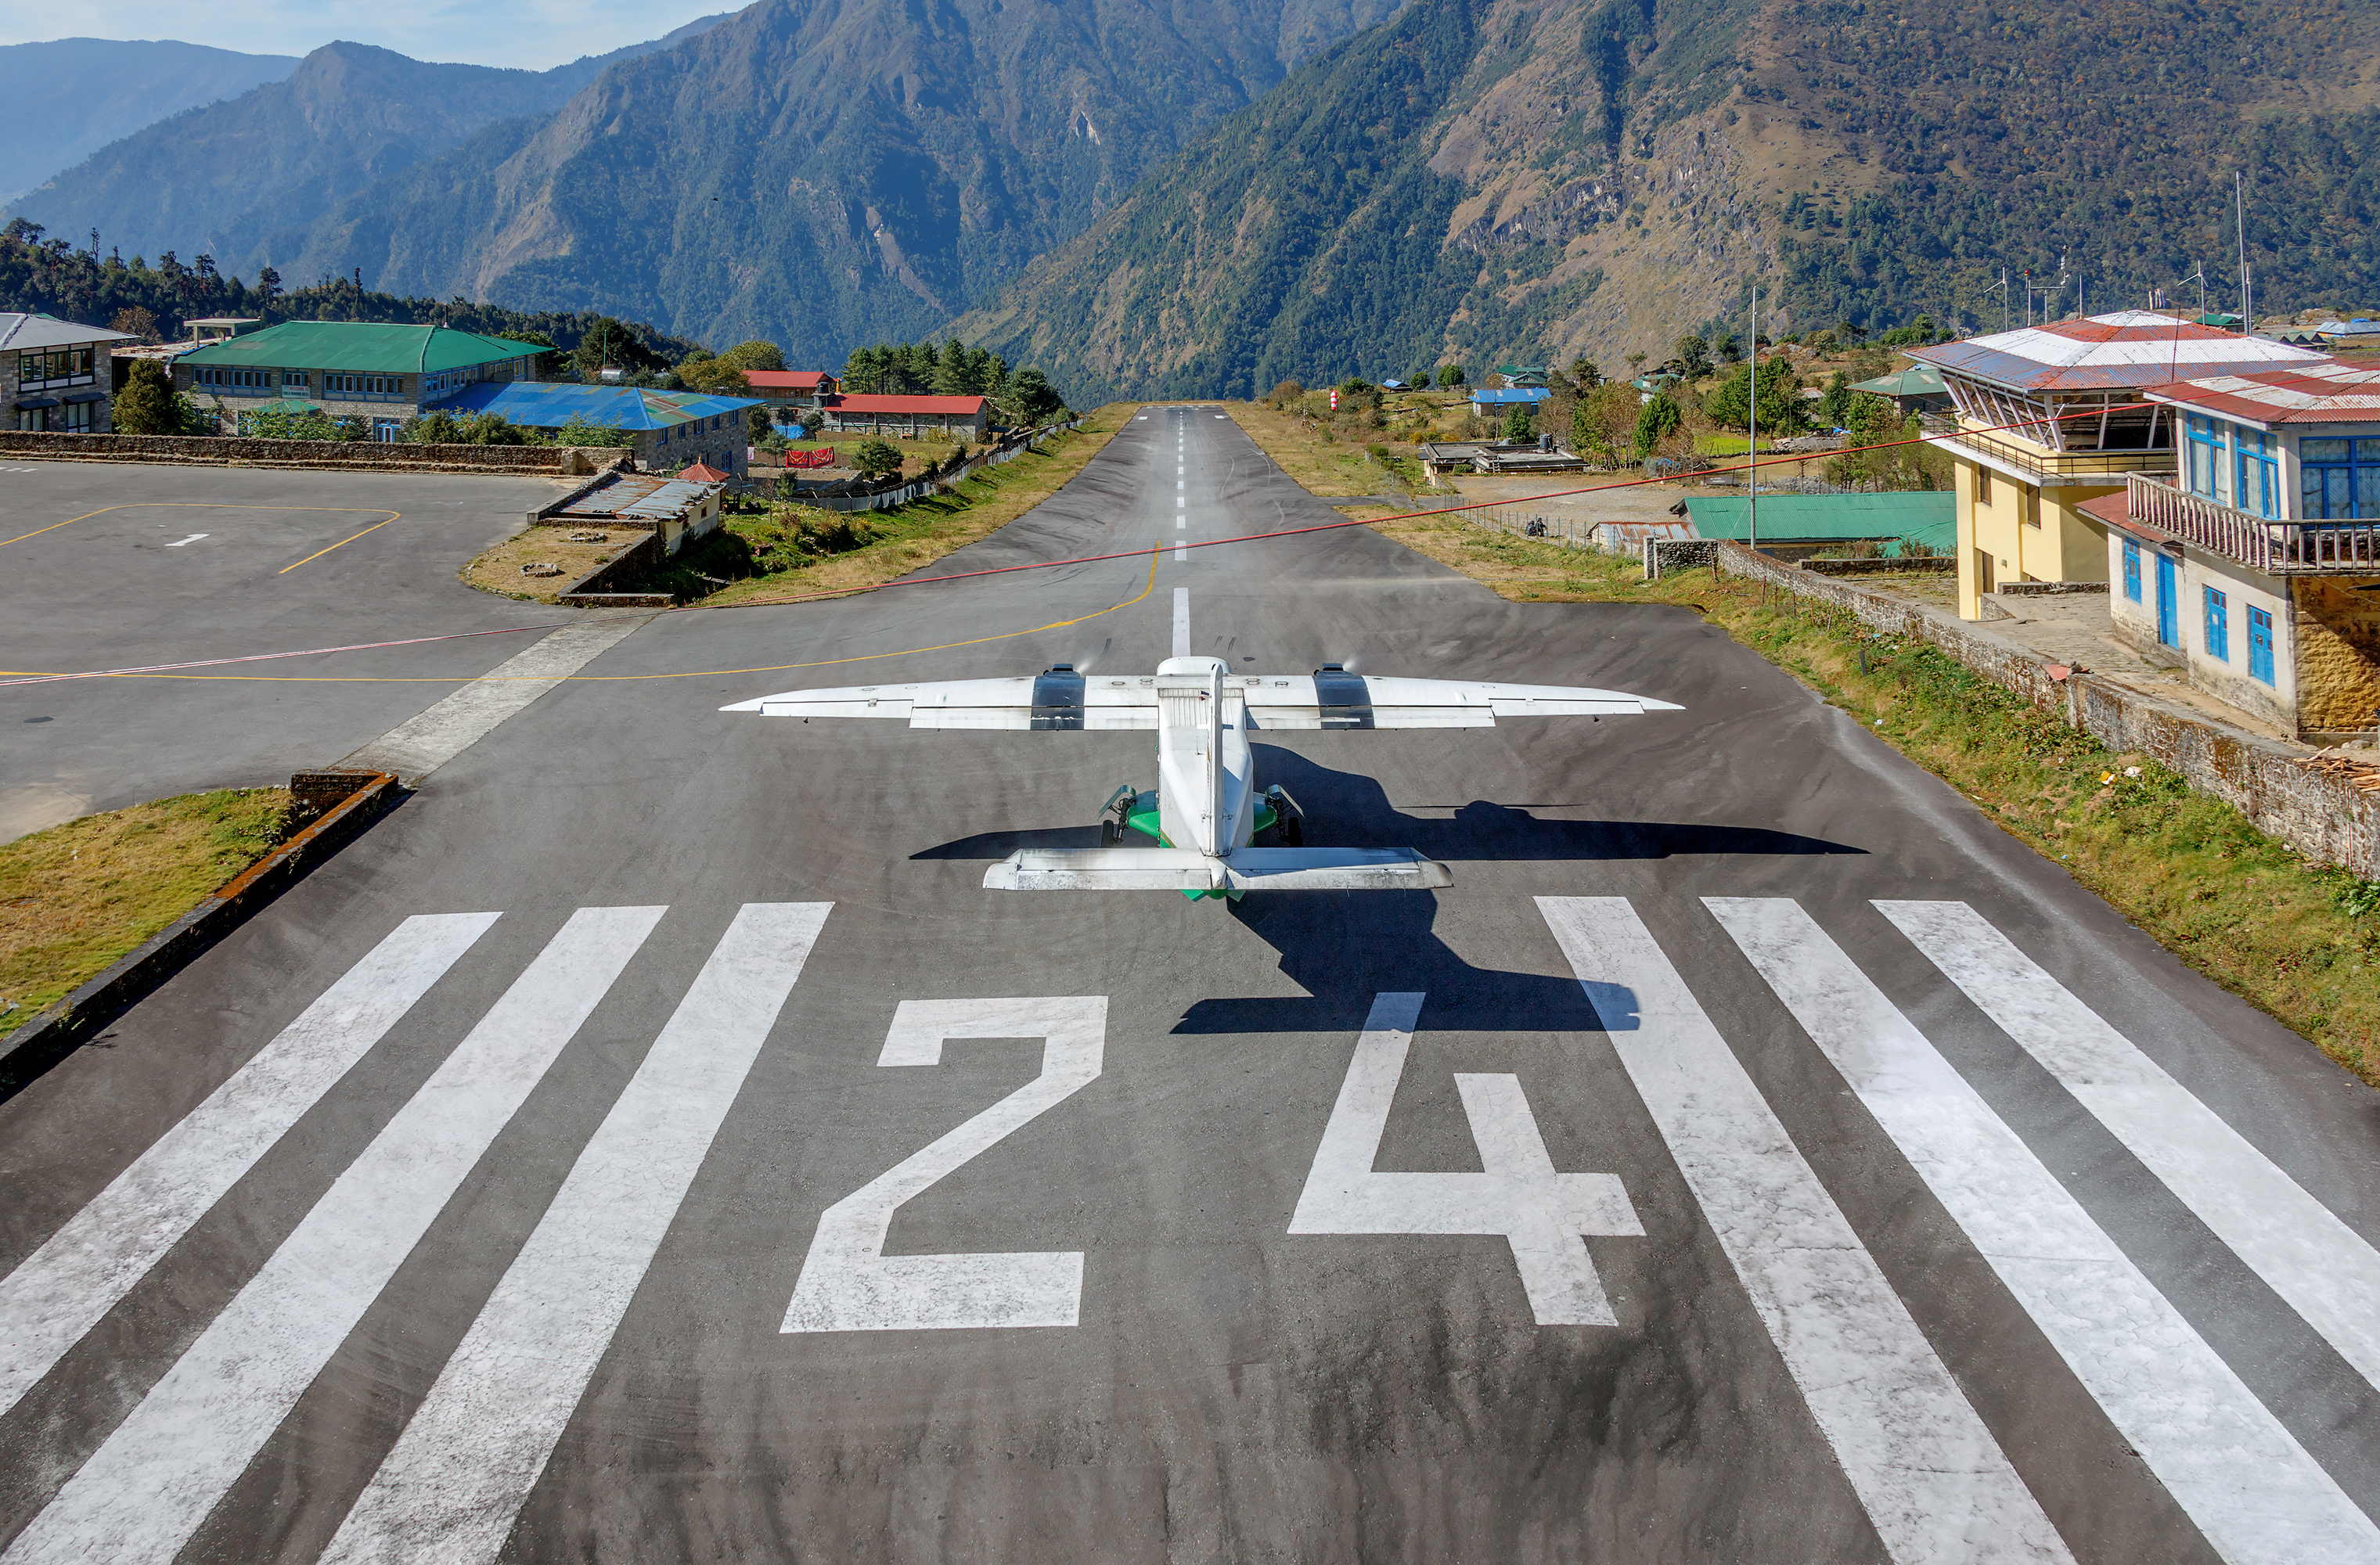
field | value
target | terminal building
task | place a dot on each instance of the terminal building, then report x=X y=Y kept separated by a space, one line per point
x=382 y=374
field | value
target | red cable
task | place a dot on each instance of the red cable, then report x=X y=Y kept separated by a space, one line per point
x=1041 y=565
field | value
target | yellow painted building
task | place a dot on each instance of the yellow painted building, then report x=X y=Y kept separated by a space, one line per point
x=2051 y=416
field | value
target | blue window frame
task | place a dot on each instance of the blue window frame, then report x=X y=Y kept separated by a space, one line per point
x=2260 y=645
x=2205 y=446
x=2339 y=479
x=2218 y=625
x=2131 y=570
x=2257 y=485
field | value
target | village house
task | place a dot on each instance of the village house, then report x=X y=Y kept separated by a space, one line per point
x=2050 y=417
x=54 y=375
x=382 y=374
x=2255 y=564
x=912 y=417
x=666 y=428
x=794 y=395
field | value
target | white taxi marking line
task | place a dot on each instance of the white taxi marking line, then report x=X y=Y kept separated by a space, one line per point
x=144 y=1491
x=848 y=1283
x=451 y=1486
x=1931 y=1477
x=1541 y=1214
x=2325 y=1271
x=61 y=1289
x=1181 y=621
x=2220 y=1452
x=192 y=538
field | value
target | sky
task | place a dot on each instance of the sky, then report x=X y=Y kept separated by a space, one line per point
x=531 y=34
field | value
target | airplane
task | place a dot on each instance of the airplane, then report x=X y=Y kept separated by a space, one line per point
x=1206 y=811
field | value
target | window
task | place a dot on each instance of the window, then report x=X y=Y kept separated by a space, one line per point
x=2258 y=489
x=2218 y=626
x=2260 y=645
x=1982 y=485
x=74 y=419
x=2131 y=570
x=2205 y=455
x=237 y=383
x=55 y=364
x=294 y=380
x=2339 y=479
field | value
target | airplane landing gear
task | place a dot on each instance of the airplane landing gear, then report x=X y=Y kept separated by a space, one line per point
x=1287 y=815
x=1116 y=813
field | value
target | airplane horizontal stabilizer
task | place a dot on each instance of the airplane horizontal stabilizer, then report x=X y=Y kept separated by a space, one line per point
x=1250 y=869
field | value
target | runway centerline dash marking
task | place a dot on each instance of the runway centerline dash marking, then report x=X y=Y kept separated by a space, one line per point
x=184 y=542
x=61 y=1289
x=2220 y=1452
x=142 y=1493
x=1181 y=621
x=456 y=1478
x=1933 y=1482
x=2325 y=1271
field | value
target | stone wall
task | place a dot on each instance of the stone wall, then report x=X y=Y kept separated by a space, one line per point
x=2337 y=625
x=360 y=454
x=2322 y=815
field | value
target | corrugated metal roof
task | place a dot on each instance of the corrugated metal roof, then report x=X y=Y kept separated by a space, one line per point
x=2328 y=392
x=1918 y=380
x=645 y=496
x=361 y=348
x=2131 y=347
x=1927 y=516
x=1517 y=394
x=871 y=403
x=20 y=329
x=786 y=379
x=549 y=406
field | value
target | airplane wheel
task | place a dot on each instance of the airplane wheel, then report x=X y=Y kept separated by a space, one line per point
x=1293 y=832
x=1109 y=835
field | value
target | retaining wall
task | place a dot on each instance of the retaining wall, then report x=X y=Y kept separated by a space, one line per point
x=2323 y=816
x=362 y=455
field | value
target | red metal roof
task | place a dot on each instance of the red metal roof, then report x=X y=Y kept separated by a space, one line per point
x=787 y=380
x=2328 y=392
x=866 y=404
x=2129 y=347
x=703 y=472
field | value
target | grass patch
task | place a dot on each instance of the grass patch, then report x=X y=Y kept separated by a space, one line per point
x=78 y=897
x=785 y=551
x=1323 y=460
x=2299 y=941
x=499 y=569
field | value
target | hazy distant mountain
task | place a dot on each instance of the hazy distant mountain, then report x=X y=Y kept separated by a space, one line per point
x=222 y=179
x=63 y=100
x=822 y=172
x=1502 y=180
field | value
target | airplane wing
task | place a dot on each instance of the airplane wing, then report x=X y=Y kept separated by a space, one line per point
x=1064 y=700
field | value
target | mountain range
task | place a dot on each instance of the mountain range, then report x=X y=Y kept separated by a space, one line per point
x=62 y=100
x=1206 y=196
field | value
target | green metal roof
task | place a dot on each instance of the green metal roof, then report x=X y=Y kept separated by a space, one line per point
x=1922 y=380
x=359 y=347
x=1927 y=516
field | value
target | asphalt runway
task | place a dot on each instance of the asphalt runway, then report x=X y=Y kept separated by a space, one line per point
x=116 y=565
x=651 y=1143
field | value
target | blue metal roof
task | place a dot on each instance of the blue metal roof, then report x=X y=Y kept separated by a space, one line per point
x=549 y=406
x=1521 y=393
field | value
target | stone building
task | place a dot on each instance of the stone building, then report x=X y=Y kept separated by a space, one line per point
x=382 y=374
x=909 y=417
x=54 y=375
x=666 y=429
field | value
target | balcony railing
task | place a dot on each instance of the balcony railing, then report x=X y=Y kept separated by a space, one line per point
x=2070 y=467
x=2274 y=548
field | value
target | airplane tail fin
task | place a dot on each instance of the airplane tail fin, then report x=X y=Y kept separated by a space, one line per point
x=1247 y=869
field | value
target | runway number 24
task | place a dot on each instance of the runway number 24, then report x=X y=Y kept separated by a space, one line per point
x=847 y=1283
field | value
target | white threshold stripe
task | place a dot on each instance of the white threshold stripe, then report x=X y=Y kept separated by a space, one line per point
x=2326 y=1271
x=1181 y=621
x=60 y=1291
x=422 y=743
x=145 y=1491
x=454 y=1480
x=2227 y=1461
x=1933 y=1482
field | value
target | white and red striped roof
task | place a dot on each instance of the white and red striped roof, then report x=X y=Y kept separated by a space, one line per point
x=2328 y=392
x=2129 y=348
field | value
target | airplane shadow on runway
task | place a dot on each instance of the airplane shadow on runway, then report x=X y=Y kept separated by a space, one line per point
x=1344 y=947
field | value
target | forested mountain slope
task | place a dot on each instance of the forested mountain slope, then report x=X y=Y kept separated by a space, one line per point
x=224 y=179
x=822 y=172
x=1501 y=179
x=62 y=100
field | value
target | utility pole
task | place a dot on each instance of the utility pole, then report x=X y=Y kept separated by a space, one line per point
x=1752 y=433
x=2004 y=298
x=2240 y=218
